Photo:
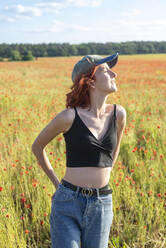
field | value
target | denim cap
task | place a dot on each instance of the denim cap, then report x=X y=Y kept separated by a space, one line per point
x=88 y=62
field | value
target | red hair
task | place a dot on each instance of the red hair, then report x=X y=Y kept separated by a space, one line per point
x=79 y=96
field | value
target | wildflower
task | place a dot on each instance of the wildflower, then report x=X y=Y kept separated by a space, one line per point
x=135 y=149
x=1 y=189
x=154 y=152
x=12 y=187
x=28 y=206
x=149 y=193
x=23 y=199
x=26 y=231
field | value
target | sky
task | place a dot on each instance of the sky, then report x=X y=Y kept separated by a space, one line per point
x=82 y=21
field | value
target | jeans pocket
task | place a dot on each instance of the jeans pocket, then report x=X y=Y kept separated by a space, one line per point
x=63 y=194
x=106 y=199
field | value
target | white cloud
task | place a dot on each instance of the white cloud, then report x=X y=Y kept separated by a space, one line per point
x=131 y=30
x=134 y=12
x=51 y=7
x=83 y=3
x=121 y=29
x=22 y=17
x=20 y=9
x=38 y=9
x=7 y=19
x=81 y=28
x=50 y=4
x=56 y=27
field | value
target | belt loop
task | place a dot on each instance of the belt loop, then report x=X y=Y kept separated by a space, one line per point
x=98 y=196
x=77 y=191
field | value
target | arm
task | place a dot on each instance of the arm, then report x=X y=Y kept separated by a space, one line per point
x=55 y=127
x=121 y=123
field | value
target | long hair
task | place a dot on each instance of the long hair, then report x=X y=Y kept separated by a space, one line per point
x=79 y=95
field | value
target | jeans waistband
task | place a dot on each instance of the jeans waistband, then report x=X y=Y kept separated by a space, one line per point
x=88 y=191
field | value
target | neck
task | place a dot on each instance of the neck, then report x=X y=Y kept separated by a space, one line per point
x=98 y=105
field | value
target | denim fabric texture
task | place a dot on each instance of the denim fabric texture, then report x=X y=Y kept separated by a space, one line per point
x=80 y=221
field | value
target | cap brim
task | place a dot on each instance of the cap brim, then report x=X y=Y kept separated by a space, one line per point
x=111 y=60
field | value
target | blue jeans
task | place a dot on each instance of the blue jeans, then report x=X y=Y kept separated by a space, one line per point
x=78 y=220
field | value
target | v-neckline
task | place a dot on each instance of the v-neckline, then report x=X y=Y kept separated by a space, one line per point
x=100 y=139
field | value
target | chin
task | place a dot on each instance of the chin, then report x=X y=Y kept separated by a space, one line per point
x=113 y=89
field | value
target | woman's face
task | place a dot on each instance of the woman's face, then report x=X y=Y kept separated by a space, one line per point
x=105 y=79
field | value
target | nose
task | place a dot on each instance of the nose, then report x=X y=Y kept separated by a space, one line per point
x=113 y=74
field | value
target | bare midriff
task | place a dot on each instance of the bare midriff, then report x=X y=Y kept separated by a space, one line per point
x=88 y=177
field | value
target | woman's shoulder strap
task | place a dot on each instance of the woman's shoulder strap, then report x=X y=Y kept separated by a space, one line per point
x=115 y=110
x=75 y=110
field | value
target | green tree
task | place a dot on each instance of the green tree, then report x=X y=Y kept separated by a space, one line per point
x=15 y=56
x=27 y=55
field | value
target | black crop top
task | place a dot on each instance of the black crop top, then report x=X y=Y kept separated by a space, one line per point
x=83 y=149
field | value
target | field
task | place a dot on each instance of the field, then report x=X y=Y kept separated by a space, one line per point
x=32 y=93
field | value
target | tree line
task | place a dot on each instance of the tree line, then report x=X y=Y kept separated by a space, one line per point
x=28 y=51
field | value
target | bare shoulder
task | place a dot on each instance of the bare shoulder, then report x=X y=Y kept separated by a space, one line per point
x=121 y=115
x=59 y=124
x=67 y=117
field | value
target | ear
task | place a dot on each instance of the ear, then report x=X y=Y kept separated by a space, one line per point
x=92 y=85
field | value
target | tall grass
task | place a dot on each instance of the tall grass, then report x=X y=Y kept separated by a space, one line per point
x=32 y=93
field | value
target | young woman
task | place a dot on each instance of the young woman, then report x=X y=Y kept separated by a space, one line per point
x=82 y=207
